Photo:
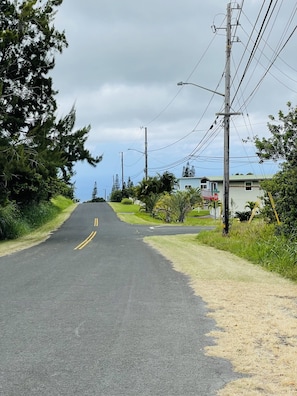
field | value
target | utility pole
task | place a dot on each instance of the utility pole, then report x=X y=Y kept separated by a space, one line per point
x=226 y=183
x=145 y=154
x=227 y=114
x=122 y=163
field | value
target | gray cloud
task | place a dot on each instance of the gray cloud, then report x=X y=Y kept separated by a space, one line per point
x=123 y=63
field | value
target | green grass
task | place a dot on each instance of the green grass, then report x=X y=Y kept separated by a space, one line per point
x=134 y=215
x=16 y=222
x=61 y=202
x=258 y=243
x=255 y=242
x=121 y=208
x=30 y=237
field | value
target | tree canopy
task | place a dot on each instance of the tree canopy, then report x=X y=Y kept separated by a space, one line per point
x=282 y=146
x=37 y=151
x=149 y=190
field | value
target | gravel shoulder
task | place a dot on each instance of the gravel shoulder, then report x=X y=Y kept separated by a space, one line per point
x=255 y=312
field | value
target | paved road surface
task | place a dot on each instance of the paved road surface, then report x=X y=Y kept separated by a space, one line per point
x=95 y=311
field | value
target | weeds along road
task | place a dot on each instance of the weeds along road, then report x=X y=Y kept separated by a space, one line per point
x=96 y=311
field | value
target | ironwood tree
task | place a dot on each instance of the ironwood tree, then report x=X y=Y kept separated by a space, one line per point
x=37 y=151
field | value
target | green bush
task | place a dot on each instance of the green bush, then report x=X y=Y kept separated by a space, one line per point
x=126 y=201
x=98 y=199
x=11 y=223
x=243 y=216
x=37 y=214
x=116 y=196
x=16 y=222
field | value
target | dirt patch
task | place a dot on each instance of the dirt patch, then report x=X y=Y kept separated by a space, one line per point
x=255 y=312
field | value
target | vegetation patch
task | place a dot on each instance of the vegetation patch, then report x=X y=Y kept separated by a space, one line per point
x=135 y=214
x=18 y=221
x=258 y=243
x=32 y=237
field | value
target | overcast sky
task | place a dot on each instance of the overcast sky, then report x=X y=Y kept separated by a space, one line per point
x=121 y=70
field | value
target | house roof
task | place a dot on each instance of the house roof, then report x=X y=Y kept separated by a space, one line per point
x=239 y=178
x=231 y=177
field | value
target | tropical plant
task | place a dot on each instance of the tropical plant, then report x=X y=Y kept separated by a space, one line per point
x=250 y=205
x=165 y=208
x=149 y=190
x=175 y=206
x=282 y=146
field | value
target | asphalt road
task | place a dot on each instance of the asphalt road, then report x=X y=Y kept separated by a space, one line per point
x=95 y=311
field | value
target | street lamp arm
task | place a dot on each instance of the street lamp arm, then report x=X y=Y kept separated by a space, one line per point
x=131 y=149
x=199 y=86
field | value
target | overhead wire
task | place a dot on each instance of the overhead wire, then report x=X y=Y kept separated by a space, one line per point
x=214 y=130
x=255 y=45
x=189 y=76
x=174 y=98
x=276 y=54
x=281 y=71
x=268 y=68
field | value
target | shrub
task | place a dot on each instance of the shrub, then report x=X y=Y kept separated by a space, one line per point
x=98 y=199
x=11 y=224
x=116 y=196
x=243 y=216
x=37 y=214
x=126 y=201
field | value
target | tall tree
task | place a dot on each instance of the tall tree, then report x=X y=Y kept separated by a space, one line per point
x=28 y=42
x=35 y=148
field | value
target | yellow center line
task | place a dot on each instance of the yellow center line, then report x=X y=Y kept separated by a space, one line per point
x=86 y=241
x=90 y=237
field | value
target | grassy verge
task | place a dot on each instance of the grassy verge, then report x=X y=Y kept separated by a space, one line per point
x=39 y=227
x=257 y=243
x=134 y=215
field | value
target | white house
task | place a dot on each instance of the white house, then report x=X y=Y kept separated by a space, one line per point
x=242 y=188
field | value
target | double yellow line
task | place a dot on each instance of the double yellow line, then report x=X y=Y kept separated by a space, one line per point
x=90 y=237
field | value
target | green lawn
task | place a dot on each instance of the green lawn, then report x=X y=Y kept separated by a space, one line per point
x=134 y=215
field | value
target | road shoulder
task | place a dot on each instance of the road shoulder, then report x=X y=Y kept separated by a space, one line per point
x=255 y=312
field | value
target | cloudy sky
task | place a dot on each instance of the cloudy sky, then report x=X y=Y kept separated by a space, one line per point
x=121 y=70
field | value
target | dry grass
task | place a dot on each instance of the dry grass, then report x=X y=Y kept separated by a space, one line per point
x=255 y=312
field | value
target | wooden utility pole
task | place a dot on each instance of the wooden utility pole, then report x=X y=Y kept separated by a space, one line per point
x=145 y=154
x=227 y=114
x=226 y=183
x=122 y=164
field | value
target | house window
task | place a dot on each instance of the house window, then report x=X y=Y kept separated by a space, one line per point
x=248 y=186
x=187 y=187
x=203 y=184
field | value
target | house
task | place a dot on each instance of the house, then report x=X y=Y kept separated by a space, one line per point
x=242 y=188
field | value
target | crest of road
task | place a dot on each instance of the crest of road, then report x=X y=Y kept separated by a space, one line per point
x=94 y=310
